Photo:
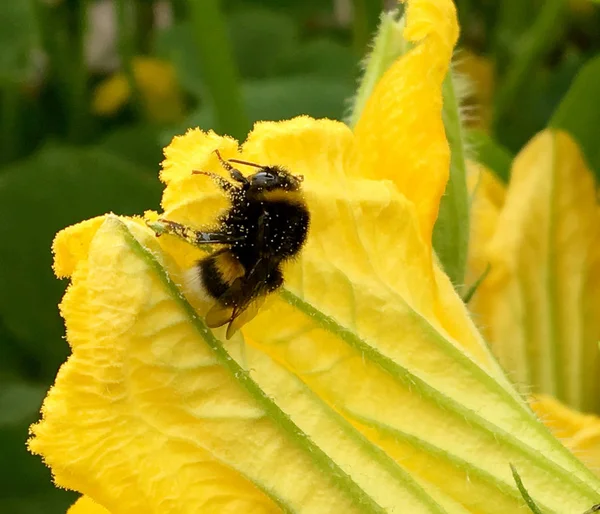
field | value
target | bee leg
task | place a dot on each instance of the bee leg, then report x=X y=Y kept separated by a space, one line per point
x=223 y=184
x=194 y=237
x=233 y=172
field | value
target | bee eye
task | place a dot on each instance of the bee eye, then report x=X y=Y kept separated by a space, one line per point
x=264 y=179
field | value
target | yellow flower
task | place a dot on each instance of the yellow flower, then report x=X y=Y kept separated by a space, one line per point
x=160 y=93
x=362 y=387
x=539 y=304
x=86 y=505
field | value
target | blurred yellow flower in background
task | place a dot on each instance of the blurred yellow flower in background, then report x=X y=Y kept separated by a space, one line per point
x=539 y=304
x=161 y=96
x=362 y=387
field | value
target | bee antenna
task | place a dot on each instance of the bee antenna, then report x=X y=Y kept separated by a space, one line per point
x=238 y=161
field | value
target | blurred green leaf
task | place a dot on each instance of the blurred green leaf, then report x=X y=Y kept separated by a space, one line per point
x=533 y=108
x=286 y=97
x=322 y=57
x=491 y=154
x=52 y=502
x=261 y=39
x=19 y=402
x=138 y=144
x=17 y=39
x=176 y=44
x=579 y=112
x=279 y=99
x=299 y=9
x=533 y=44
x=55 y=188
x=25 y=482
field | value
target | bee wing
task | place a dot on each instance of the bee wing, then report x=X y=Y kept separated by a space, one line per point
x=218 y=315
x=242 y=300
x=238 y=320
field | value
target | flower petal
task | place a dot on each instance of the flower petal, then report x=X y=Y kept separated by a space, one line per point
x=539 y=302
x=86 y=505
x=400 y=135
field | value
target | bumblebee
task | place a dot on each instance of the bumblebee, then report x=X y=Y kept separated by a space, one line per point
x=266 y=225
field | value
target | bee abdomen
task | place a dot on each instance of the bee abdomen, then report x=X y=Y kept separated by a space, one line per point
x=217 y=272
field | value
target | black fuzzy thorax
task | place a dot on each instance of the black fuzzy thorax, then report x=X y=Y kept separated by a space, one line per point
x=268 y=229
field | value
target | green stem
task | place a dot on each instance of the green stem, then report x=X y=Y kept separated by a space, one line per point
x=364 y=22
x=532 y=46
x=67 y=60
x=388 y=45
x=126 y=43
x=78 y=99
x=220 y=72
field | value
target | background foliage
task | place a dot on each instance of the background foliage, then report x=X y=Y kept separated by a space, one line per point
x=82 y=126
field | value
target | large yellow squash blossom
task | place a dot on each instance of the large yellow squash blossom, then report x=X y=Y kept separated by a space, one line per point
x=362 y=387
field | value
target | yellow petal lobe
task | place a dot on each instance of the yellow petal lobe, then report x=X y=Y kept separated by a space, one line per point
x=400 y=135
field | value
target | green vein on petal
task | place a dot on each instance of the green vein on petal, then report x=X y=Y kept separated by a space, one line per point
x=372 y=451
x=451 y=406
x=498 y=485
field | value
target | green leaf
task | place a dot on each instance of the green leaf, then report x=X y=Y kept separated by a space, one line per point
x=17 y=40
x=261 y=39
x=451 y=230
x=176 y=44
x=55 y=501
x=321 y=57
x=137 y=144
x=579 y=113
x=19 y=401
x=532 y=44
x=491 y=154
x=55 y=188
x=25 y=483
x=283 y=98
x=280 y=99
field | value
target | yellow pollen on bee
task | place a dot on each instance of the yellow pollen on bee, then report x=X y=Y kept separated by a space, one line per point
x=283 y=195
x=229 y=267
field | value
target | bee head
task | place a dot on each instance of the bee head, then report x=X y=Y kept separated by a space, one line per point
x=270 y=178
